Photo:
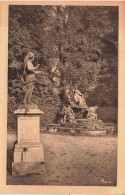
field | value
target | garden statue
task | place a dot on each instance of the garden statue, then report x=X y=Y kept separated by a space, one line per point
x=29 y=77
x=71 y=100
x=68 y=114
x=79 y=98
x=91 y=113
x=28 y=157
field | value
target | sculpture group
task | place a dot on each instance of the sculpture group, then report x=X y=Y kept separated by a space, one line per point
x=75 y=100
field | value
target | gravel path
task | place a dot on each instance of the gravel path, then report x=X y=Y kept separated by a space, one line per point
x=72 y=160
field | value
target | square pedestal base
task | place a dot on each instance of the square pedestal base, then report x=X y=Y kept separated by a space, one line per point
x=24 y=168
x=28 y=158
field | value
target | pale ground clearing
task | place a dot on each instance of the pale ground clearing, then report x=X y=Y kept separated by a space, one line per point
x=71 y=160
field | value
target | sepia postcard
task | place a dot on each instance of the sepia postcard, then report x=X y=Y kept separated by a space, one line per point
x=62 y=97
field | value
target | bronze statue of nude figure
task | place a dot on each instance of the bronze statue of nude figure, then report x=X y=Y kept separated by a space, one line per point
x=29 y=72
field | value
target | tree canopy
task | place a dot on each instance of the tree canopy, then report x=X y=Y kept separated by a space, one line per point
x=81 y=40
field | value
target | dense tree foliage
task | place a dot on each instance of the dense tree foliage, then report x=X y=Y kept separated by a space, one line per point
x=81 y=40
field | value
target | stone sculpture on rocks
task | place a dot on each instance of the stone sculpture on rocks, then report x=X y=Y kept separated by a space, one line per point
x=68 y=114
x=79 y=98
x=91 y=113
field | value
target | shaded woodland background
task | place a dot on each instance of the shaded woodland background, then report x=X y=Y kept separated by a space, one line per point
x=74 y=45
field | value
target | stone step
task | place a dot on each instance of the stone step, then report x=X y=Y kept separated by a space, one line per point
x=89 y=132
x=94 y=133
x=79 y=121
x=77 y=131
x=86 y=128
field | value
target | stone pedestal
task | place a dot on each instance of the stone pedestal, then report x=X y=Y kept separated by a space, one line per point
x=28 y=152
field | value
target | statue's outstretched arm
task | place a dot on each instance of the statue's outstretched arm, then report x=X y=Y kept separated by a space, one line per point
x=31 y=67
